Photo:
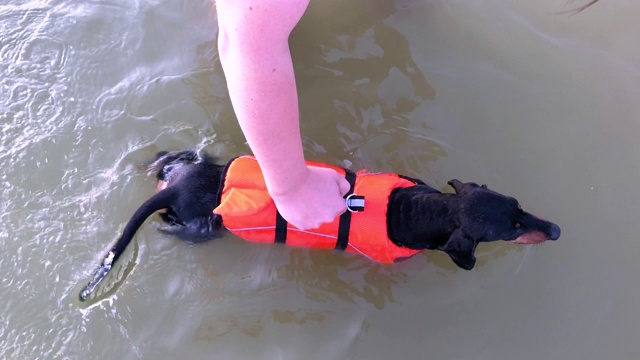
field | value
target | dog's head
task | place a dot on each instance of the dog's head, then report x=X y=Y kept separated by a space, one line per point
x=486 y=216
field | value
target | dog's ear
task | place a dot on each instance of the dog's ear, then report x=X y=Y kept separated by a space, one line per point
x=461 y=249
x=461 y=187
x=456 y=184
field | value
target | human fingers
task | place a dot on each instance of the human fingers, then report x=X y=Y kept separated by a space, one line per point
x=344 y=186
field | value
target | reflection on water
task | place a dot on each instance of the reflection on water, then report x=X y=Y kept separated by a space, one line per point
x=253 y=325
x=297 y=317
x=358 y=80
x=221 y=326
x=222 y=135
x=326 y=277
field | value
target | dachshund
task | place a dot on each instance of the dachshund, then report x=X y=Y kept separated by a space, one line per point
x=409 y=217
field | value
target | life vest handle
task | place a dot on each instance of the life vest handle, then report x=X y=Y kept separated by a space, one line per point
x=345 y=219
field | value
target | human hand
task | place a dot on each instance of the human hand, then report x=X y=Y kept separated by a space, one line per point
x=317 y=200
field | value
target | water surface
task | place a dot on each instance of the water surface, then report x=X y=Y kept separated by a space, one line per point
x=539 y=105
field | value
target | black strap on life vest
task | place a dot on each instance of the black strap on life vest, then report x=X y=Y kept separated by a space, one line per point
x=281 y=229
x=343 y=227
x=345 y=218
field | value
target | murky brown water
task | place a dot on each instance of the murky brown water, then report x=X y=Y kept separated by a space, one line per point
x=505 y=92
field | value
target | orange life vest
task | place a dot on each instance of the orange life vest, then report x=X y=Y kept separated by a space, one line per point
x=248 y=211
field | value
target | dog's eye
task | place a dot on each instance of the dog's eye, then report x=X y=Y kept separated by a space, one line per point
x=517 y=225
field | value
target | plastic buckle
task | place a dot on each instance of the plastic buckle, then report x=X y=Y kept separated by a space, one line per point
x=355 y=203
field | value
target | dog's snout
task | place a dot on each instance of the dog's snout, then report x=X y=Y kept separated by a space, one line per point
x=555 y=232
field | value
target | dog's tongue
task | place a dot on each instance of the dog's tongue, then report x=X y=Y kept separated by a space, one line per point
x=531 y=238
x=551 y=232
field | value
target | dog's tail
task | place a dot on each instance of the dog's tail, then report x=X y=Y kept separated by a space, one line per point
x=159 y=201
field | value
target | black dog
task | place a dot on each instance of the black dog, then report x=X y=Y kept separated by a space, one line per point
x=418 y=217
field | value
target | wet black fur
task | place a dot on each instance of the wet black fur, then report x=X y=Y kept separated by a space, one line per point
x=189 y=214
x=418 y=217
x=421 y=217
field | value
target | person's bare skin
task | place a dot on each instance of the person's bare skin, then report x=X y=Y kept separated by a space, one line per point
x=254 y=52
